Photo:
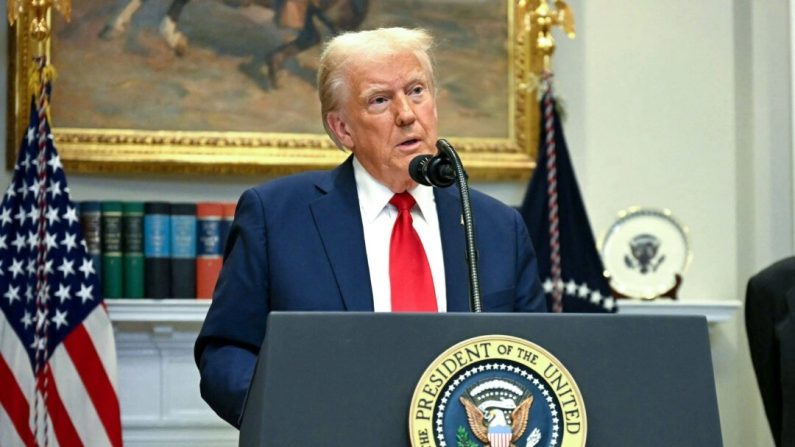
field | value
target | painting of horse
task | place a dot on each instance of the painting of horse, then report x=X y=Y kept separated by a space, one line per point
x=250 y=65
x=336 y=15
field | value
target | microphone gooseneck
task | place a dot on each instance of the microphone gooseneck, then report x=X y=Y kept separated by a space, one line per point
x=442 y=171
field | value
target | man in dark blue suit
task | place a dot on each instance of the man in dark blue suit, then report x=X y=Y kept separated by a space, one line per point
x=770 y=326
x=323 y=240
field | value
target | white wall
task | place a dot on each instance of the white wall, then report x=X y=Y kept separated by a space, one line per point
x=686 y=105
x=659 y=115
x=678 y=104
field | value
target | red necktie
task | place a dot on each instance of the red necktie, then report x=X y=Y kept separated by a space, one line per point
x=409 y=271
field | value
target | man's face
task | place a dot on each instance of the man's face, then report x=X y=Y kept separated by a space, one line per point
x=387 y=117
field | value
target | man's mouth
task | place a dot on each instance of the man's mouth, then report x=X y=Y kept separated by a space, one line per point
x=409 y=143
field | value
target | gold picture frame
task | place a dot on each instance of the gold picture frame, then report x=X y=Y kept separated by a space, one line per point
x=90 y=149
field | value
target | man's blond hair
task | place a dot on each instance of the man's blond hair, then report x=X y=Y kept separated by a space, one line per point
x=348 y=48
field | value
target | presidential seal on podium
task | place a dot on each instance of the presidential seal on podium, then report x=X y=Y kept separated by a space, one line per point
x=497 y=391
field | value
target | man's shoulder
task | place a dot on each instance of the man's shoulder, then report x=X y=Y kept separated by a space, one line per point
x=305 y=184
x=778 y=276
x=290 y=184
x=488 y=212
x=483 y=201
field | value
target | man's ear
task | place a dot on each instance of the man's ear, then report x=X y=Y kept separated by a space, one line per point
x=340 y=128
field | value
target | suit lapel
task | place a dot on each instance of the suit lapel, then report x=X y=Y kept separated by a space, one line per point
x=338 y=220
x=455 y=267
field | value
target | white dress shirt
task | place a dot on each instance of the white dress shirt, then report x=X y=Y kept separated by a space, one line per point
x=378 y=218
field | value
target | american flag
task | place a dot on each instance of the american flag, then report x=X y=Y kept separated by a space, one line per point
x=57 y=354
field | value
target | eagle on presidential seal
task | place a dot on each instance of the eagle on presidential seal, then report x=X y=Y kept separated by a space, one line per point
x=497 y=412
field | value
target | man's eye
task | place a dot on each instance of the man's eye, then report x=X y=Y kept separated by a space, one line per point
x=418 y=90
x=378 y=100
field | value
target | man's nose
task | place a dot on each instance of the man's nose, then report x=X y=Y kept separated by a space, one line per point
x=404 y=115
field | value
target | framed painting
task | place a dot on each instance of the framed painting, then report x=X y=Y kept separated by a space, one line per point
x=228 y=86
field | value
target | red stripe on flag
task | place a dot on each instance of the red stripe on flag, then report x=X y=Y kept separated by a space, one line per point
x=13 y=400
x=61 y=422
x=95 y=380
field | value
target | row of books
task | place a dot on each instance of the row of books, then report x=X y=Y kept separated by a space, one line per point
x=156 y=249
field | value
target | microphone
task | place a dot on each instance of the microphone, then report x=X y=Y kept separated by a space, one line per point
x=442 y=171
x=432 y=171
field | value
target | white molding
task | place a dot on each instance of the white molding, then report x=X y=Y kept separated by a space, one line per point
x=157 y=312
x=716 y=311
x=152 y=434
x=158 y=379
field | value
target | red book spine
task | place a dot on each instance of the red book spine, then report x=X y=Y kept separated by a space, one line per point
x=208 y=255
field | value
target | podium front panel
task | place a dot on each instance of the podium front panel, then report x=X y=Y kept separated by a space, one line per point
x=342 y=379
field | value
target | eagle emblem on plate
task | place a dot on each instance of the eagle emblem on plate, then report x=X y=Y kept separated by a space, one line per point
x=497 y=391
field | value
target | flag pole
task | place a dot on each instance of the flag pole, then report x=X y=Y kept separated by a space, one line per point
x=534 y=21
x=37 y=13
x=542 y=19
x=50 y=341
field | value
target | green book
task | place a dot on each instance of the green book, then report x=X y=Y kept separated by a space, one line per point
x=133 y=248
x=111 y=249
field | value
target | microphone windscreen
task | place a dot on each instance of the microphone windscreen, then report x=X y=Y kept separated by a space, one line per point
x=418 y=169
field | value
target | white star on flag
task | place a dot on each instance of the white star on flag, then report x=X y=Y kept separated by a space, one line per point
x=52 y=216
x=85 y=293
x=55 y=190
x=87 y=267
x=5 y=216
x=12 y=294
x=63 y=292
x=55 y=163
x=19 y=242
x=66 y=268
x=26 y=320
x=59 y=319
x=21 y=216
x=69 y=241
x=71 y=215
x=16 y=268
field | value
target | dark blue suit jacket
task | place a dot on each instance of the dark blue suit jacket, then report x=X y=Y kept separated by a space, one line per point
x=297 y=244
x=770 y=325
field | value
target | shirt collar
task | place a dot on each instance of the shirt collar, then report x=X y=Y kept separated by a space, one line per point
x=374 y=196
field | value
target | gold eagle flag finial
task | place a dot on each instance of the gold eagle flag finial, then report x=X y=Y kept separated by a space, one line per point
x=542 y=19
x=38 y=11
x=35 y=15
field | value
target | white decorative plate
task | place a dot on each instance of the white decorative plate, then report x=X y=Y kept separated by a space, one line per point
x=643 y=251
